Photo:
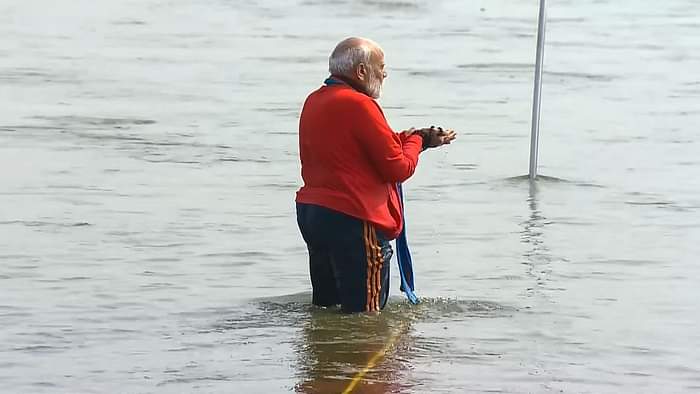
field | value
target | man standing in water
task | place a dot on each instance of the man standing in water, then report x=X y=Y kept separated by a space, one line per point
x=351 y=162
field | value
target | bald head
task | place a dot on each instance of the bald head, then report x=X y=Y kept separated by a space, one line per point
x=350 y=52
x=362 y=61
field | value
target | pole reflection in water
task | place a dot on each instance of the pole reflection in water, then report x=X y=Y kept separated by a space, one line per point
x=538 y=257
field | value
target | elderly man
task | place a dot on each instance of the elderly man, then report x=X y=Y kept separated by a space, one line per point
x=351 y=162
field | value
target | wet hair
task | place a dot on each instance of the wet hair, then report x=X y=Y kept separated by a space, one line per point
x=349 y=53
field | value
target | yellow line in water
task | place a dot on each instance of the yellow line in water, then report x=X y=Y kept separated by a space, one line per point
x=372 y=362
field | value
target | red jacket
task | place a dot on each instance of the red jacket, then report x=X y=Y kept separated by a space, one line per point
x=351 y=160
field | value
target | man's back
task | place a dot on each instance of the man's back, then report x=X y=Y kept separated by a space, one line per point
x=351 y=159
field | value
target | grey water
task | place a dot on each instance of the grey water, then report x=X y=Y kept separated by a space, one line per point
x=148 y=165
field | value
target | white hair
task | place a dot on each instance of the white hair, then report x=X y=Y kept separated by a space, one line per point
x=348 y=54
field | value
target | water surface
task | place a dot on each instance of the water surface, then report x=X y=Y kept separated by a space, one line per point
x=149 y=163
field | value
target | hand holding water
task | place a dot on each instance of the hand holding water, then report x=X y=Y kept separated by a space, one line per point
x=434 y=137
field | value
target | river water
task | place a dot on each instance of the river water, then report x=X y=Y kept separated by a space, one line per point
x=148 y=164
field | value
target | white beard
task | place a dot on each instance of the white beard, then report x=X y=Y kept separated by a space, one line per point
x=374 y=86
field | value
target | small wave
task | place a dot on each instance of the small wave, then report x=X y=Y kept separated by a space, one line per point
x=279 y=186
x=245 y=159
x=172 y=161
x=458 y=33
x=538 y=179
x=450 y=307
x=217 y=378
x=14 y=128
x=129 y=22
x=651 y=200
x=34 y=223
x=657 y=203
x=34 y=75
x=292 y=59
x=497 y=66
x=391 y=5
x=625 y=262
x=72 y=278
x=590 y=184
x=566 y=20
x=39 y=348
x=94 y=121
x=465 y=166
x=578 y=75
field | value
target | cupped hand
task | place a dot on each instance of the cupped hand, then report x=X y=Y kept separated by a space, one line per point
x=436 y=136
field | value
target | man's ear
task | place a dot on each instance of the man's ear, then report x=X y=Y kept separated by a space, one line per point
x=361 y=72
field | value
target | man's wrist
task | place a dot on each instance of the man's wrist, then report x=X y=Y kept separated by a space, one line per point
x=424 y=139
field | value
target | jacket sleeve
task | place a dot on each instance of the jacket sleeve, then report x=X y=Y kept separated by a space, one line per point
x=394 y=156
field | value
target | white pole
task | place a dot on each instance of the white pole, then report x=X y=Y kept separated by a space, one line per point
x=537 y=95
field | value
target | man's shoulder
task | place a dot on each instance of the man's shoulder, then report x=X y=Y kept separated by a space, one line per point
x=343 y=102
x=345 y=95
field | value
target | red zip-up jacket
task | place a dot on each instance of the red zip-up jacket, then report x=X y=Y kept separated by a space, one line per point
x=351 y=159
